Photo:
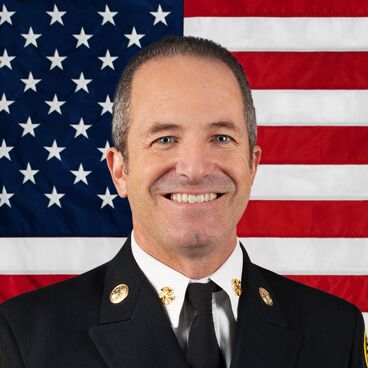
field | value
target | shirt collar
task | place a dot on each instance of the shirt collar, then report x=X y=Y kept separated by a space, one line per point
x=161 y=275
x=230 y=270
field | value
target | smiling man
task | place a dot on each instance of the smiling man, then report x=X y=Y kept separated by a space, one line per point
x=188 y=164
x=182 y=291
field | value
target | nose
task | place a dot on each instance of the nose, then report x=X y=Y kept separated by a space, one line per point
x=195 y=160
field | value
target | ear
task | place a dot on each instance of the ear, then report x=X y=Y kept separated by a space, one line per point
x=116 y=165
x=256 y=155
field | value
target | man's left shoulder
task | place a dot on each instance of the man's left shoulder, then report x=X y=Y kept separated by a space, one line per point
x=306 y=305
x=328 y=324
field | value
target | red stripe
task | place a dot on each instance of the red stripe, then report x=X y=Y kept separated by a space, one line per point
x=305 y=70
x=305 y=219
x=313 y=145
x=352 y=288
x=275 y=8
x=12 y=285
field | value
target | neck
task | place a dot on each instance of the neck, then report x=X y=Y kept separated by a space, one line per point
x=194 y=261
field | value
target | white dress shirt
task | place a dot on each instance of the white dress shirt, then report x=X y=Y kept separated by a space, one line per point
x=180 y=312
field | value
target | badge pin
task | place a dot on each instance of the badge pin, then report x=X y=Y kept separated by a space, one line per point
x=266 y=297
x=365 y=348
x=237 y=287
x=119 y=293
x=167 y=295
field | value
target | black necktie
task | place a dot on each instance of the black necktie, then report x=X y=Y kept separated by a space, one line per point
x=203 y=349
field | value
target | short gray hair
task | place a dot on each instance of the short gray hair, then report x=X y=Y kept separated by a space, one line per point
x=177 y=46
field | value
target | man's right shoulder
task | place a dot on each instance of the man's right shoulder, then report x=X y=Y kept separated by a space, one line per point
x=50 y=302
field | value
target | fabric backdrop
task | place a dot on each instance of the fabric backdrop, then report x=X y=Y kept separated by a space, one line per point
x=307 y=63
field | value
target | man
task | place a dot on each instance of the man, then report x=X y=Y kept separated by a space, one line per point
x=182 y=291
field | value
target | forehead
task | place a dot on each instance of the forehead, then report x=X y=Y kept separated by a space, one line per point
x=184 y=82
x=181 y=66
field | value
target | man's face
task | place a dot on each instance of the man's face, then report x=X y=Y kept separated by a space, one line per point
x=187 y=142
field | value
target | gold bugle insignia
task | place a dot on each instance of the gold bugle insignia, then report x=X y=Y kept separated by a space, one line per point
x=237 y=286
x=167 y=295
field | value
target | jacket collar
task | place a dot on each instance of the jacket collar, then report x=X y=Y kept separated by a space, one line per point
x=137 y=333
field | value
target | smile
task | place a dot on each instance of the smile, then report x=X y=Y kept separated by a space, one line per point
x=193 y=198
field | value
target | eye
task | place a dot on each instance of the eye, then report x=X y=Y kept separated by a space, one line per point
x=165 y=140
x=223 y=138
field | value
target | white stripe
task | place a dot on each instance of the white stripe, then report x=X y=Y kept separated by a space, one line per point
x=282 y=255
x=365 y=316
x=310 y=256
x=311 y=182
x=311 y=107
x=55 y=255
x=282 y=33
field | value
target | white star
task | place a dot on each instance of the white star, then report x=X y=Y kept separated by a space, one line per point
x=56 y=60
x=106 y=106
x=4 y=150
x=107 y=198
x=4 y=197
x=5 y=15
x=108 y=16
x=107 y=60
x=54 y=197
x=81 y=83
x=82 y=38
x=28 y=127
x=56 y=15
x=134 y=38
x=160 y=16
x=30 y=82
x=29 y=174
x=31 y=38
x=55 y=105
x=103 y=150
x=80 y=175
x=4 y=104
x=6 y=59
x=54 y=151
x=81 y=128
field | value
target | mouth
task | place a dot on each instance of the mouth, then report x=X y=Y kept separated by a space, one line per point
x=193 y=198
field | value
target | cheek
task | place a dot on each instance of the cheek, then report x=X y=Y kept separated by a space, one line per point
x=145 y=171
x=235 y=164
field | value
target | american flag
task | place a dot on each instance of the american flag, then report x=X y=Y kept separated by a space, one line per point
x=307 y=63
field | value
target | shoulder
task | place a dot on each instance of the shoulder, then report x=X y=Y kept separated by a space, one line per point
x=46 y=306
x=36 y=327
x=311 y=308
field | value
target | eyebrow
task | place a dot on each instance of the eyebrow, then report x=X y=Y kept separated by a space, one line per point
x=229 y=125
x=160 y=127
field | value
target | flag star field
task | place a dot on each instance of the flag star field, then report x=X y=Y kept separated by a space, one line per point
x=59 y=68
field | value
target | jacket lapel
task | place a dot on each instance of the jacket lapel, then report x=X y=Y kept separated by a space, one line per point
x=135 y=333
x=264 y=338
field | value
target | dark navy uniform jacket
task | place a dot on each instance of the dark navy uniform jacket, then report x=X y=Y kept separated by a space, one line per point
x=73 y=324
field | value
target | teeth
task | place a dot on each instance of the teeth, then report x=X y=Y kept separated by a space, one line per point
x=192 y=198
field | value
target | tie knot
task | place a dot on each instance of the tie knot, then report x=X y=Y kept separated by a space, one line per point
x=200 y=296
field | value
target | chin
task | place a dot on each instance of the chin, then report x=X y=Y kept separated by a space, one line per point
x=195 y=239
